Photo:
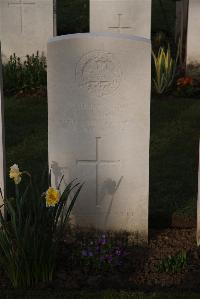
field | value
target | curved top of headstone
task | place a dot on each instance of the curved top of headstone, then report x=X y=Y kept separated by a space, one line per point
x=105 y=34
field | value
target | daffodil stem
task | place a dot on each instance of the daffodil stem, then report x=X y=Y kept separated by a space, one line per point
x=17 y=191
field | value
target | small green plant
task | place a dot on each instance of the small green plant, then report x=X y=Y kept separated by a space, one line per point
x=31 y=234
x=24 y=75
x=164 y=70
x=173 y=264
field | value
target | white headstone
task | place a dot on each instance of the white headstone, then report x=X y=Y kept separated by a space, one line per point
x=2 y=137
x=99 y=126
x=193 y=41
x=131 y=17
x=25 y=26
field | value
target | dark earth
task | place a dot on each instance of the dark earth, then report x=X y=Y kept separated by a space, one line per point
x=139 y=270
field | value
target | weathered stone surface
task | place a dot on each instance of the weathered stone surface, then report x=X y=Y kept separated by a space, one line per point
x=99 y=126
x=2 y=137
x=25 y=26
x=193 y=40
x=121 y=16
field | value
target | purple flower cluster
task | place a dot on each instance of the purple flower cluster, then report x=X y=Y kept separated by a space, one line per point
x=102 y=254
x=102 y=240
x=87 y=253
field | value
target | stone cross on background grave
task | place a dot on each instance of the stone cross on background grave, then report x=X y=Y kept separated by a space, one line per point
x=25 y=26
x=99 y=102
x=119 y=27
x=20 y=4
x=123 y=16
x=97 y=163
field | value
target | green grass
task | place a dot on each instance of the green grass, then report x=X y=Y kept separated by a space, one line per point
x=26 y=135
x=163 y=16
x=175 y=130
x=93 y=295
x=72 y=16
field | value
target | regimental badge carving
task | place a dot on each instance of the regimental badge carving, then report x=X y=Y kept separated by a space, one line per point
x=99 y=73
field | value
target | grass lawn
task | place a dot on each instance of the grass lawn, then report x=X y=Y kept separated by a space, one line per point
x=175 y=130
x=26 y=135
x=163 y=16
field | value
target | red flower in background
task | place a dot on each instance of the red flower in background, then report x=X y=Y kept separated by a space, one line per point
x=184 y=81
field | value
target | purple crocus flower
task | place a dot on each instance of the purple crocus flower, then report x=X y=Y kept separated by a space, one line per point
x=118 y=251
x=90 y=253
x=102 y=240
x=98 y=248
x=110 y=258
x=84 y=253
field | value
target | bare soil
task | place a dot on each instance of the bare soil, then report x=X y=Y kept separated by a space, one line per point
x=140 y=268
x=139 y=271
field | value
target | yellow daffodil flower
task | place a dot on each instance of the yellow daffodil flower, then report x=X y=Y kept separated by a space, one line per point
x=52 y=197
x=15 y=174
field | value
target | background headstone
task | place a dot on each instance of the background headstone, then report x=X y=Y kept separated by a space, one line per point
x=2 y=136
x=25 y=26
x=193 y=40
x=99 y=126
x=131 y=17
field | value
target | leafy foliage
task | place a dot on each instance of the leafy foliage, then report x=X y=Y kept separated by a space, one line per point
x=21 y=75
x=29 y=238
x=164 y=70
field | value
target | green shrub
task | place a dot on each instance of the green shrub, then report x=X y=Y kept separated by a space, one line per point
x=30 y=237
x=164 y=70
x=24 y=75
x=173 y=264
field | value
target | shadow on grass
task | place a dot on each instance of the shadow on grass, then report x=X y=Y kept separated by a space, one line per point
x=175 y=130
x=26 y=128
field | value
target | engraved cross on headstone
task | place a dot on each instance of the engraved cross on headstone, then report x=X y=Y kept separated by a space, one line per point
x=97 y=162
x=20 y=3
x=119 y=26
